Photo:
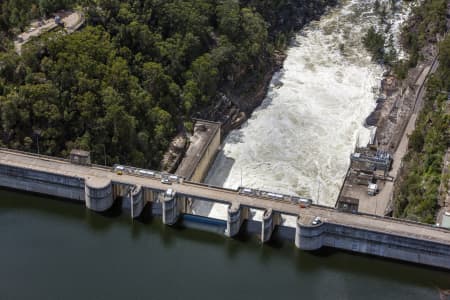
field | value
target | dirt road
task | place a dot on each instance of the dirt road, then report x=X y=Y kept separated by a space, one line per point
x=71 y=20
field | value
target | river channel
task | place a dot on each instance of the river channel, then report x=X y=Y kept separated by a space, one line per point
x=300 y=139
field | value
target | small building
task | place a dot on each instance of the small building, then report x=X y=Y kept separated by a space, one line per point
x=379 y=160
x=80 y=157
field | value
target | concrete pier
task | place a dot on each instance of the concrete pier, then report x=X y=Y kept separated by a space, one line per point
x=137 y=201
x=269 y=221
x=98 y=194
x=236 y=216
x=308 y=237
x=170 y=211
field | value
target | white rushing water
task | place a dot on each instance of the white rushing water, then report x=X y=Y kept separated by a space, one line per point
x=299 y=140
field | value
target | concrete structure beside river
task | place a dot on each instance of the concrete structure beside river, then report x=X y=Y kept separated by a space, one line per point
x=203 y=147
x=98 y=187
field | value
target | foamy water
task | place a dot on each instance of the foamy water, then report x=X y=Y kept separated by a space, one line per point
x=299 y=140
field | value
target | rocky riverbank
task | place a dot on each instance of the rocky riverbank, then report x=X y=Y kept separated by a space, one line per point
x=398 y=107
x=398 y=99
x=396 y=102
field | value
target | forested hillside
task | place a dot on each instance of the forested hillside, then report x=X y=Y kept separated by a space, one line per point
x=135 y=75
x=417 y=190
x=417 y=186
x=416 y=197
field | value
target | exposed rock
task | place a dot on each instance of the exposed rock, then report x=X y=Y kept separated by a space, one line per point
x=174 y=154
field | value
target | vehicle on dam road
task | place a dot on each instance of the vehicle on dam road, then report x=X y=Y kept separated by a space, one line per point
x=316 y=221
x=166 y=180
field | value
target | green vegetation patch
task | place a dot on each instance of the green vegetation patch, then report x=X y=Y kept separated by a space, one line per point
x=427 y=20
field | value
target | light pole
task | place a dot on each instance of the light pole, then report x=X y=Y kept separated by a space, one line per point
x=376 y=204
x=241 y=176
x=104 y=153
x=37 y=133
x=318 y=191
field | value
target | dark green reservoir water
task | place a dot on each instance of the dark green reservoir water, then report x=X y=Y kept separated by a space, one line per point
x=54 y=249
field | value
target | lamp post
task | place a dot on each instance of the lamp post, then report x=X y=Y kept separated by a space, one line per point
x=318 y=191
x=376 y=204
x=37 y=134
x=241 y=176
x=104 y=153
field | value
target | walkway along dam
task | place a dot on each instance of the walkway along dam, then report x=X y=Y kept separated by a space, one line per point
x=171 y=197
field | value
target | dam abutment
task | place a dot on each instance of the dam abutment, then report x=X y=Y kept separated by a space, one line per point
x=314 y=237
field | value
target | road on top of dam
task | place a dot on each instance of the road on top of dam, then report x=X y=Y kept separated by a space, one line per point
x=215 y=194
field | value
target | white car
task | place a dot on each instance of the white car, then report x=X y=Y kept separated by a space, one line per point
x=316 y=221
x=165 y=180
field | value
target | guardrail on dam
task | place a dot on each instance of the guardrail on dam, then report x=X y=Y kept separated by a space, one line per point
x=97 y=187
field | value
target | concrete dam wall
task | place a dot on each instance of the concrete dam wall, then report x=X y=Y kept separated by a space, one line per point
x=98 y=188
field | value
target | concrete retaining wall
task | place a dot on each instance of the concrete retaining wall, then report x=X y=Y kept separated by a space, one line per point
x=202 y=168
x=374 y=243
x=42 y=182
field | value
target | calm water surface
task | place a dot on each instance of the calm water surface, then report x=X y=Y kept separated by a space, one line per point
x=54 y=249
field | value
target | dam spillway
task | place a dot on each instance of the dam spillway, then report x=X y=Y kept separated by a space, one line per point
x=299 y=139
x=97 y=187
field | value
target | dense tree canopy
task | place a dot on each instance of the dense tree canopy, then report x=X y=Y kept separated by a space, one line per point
x=135 y=74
